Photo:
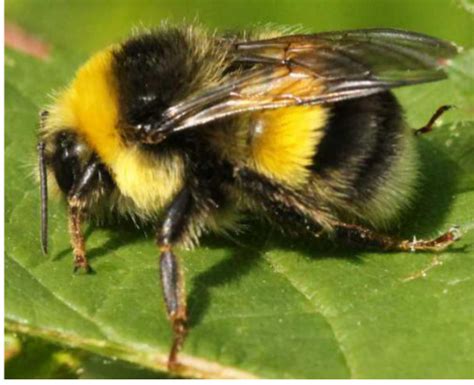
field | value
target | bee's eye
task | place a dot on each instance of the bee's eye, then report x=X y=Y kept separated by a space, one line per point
x=66 y=161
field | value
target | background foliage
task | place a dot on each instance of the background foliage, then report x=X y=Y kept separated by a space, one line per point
x=260 y=305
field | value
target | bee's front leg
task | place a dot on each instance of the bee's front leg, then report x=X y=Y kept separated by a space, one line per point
x=174 y=226
x=76 y=215
x=77 y=201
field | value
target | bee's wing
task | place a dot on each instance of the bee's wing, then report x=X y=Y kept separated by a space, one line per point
x=315 y=69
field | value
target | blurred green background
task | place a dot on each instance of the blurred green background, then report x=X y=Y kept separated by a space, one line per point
x=90 y=24
x=75 y=28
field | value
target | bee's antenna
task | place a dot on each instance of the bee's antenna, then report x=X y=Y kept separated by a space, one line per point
x=44 y=198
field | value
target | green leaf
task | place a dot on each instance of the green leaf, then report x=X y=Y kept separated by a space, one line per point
x=260 y=305
x=12 y=346
x=41 y=359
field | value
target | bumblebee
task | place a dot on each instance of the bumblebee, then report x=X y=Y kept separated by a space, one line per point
x=189 y=130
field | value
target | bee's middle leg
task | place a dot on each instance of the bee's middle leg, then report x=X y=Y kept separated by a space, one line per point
x=172 y=280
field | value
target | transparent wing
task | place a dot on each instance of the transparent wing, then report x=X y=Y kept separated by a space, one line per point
x=314 y=69
x=383 y=56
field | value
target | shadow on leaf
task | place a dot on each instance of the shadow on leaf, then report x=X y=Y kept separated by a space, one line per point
x=242 y=260
x=437 y=187
x=119 y=235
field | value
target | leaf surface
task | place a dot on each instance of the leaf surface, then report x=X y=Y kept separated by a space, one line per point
x=260 y=305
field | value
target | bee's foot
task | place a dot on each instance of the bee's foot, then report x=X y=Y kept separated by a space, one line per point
x=438 y=244
x=174 y=366
x=82 y=265
x=180 y=331
x=448 y=238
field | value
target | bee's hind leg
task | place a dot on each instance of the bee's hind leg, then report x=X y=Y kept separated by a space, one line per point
x=428 y=127
x=359 y=236
x=295 y=211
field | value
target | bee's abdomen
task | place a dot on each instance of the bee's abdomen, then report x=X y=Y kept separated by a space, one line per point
x=366 y=157
x=361 y=141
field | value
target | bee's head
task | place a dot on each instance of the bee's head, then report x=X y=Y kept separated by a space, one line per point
x=65 y=157
x=67 y=163
x=79 y=135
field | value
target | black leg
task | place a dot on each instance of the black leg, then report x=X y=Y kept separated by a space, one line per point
x=299 y=213
x=429 y=126
x=172 y=282
x=175 y=225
